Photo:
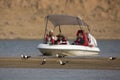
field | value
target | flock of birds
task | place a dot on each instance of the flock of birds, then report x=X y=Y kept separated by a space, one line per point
x=60 y=61
x=44 y=59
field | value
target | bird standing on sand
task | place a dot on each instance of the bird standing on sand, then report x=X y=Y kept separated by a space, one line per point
x=61 y=62
x=59 y=56
x=25 y=56
x=43 y=61
x=112 y=58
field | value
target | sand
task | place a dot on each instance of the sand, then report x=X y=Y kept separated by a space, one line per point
x=53 y=63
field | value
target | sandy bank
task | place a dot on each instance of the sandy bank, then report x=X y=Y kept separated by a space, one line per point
x=72 y=63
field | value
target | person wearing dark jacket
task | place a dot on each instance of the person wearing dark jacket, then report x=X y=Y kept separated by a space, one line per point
x=81 y=38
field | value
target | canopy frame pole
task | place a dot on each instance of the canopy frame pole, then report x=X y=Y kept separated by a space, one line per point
x=78 y=23
x=59 y=29
x=80 y=27
x=88 y=28
x=46 y=22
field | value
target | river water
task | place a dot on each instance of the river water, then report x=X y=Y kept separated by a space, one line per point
x=14 y=48
x=57 y=74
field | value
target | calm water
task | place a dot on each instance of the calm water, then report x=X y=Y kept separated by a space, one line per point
x=14 y=48
x=57 y=74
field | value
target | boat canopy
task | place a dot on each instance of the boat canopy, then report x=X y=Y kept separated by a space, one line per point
x=58 y=20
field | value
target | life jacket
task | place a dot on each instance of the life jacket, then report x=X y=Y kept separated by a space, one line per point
x=62 y=41
x=50 y=39
x=85 y=38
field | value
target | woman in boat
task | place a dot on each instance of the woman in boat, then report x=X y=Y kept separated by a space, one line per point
x=50 y=38
x=81 y=38
x=61 y=39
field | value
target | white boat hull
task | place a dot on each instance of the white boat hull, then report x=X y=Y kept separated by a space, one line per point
x=68 y=50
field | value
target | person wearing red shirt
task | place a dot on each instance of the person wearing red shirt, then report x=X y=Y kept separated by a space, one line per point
x=50 y=38
x=81 y=38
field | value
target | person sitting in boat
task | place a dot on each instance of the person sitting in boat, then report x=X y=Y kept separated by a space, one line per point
x=61 y=39
x=50 y=38
x=81 y=38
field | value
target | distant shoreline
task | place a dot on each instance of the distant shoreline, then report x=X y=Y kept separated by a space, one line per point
x=53 y=63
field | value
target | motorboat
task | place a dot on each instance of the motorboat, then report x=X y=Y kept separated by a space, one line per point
x=68 y=49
